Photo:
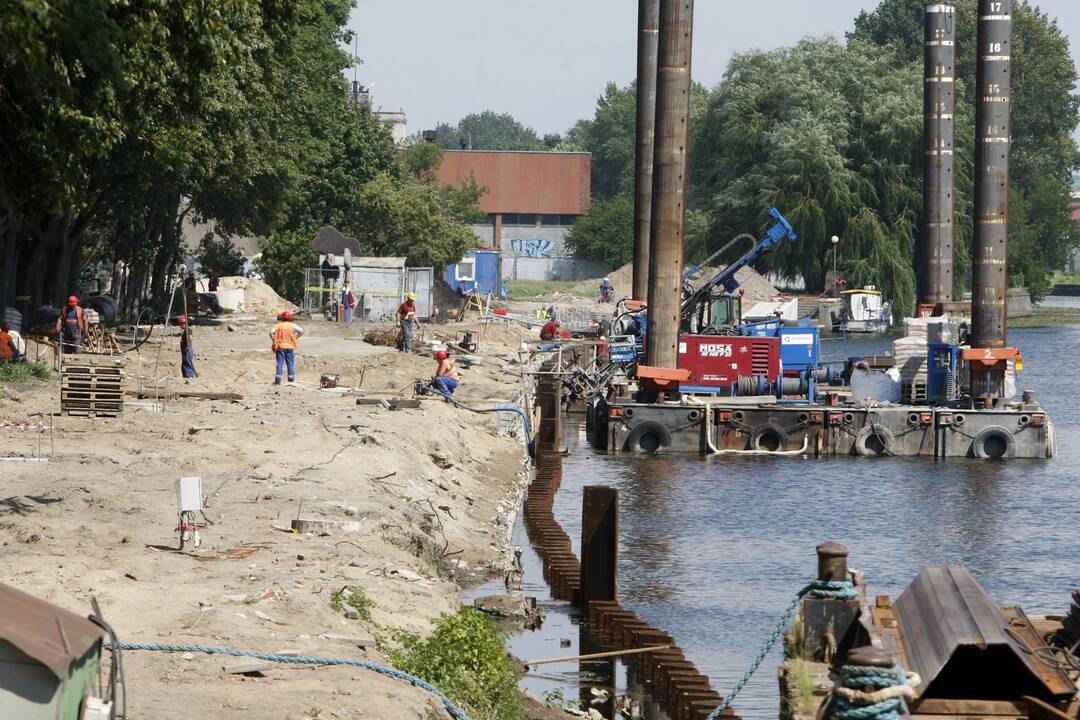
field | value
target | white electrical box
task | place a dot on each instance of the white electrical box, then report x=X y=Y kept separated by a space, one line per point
x=189 y=494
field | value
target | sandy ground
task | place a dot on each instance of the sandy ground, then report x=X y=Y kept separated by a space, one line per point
x=433 y=489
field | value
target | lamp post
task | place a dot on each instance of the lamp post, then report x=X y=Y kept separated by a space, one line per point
x=835 y=243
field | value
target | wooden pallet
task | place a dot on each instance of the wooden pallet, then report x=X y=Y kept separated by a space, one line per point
x=92 y=385
x=913 y=392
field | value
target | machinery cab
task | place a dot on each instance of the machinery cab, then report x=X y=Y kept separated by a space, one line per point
x=721 y=314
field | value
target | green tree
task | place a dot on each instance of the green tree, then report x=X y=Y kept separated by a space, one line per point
x=283 y=258
x=606 y=233
x=410 y=220
x=217 y=254
x=830 y=136
x=488 y=130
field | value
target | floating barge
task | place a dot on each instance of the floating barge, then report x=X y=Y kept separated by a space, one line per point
x=761 y=425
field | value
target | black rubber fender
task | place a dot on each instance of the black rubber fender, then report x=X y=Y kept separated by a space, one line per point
x=105 y=306
x=650 y=436
x=994 y=443
x=601 y=429
x=769 y=437
x=874 y=440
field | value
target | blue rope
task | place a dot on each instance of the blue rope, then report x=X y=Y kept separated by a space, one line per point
x=858 y=678
x=818 y=589
x=453 y=709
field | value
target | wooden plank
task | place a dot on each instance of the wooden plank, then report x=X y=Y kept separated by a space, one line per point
x=937 y=706
x=91 y=395
x=1039 y=710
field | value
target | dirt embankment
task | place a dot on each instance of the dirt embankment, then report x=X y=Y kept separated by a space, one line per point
x=432 y=490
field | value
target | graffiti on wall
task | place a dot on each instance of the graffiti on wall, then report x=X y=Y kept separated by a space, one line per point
x=533 y=248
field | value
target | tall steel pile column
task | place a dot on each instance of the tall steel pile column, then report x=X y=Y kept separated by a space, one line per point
x=989 y=279
x=648 y=40
x=939 y=182
x=669 y=182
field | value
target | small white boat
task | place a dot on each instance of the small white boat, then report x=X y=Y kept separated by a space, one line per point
x=863 y=311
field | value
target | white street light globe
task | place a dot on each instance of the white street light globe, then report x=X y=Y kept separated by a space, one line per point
x=835 y=240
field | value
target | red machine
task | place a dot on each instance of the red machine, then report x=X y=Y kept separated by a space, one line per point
x=716 y=362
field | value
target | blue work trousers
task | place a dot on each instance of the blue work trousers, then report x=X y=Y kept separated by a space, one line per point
x=285 y=357
x=446 y=384
x=187 y=363
x=406 y=335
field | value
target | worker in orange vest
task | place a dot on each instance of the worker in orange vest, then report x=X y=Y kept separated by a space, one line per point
x=71 y=326
x=285 y=336
x=9 y=352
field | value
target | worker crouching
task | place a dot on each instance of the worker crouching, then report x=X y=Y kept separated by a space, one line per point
x=9 y=349
x=285 y=337
x=446 y=378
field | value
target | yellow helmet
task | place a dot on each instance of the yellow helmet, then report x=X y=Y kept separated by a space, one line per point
x=411 y=296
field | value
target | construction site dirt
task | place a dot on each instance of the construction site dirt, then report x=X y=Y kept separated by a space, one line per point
x=407 y=504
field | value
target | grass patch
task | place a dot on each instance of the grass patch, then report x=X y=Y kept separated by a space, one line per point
x=464 y=658
x=537 y=289
x=353 y=597
x=24 y=372
x=1047 y=317
x=804 y=682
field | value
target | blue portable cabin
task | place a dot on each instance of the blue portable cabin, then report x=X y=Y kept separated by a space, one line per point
x=479 y=270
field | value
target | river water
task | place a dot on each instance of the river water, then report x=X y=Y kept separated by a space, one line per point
x=712 y=549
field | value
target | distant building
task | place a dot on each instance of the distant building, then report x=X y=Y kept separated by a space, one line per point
x=395 y=121
x=533 y=200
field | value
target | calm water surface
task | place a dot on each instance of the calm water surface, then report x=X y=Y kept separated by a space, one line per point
x=713 y=549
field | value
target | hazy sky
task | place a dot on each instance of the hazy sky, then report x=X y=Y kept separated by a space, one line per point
x=546 y=61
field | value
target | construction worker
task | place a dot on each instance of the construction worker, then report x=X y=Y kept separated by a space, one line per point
x=550 y=331
x=187 y=350
x=446 y=378
x=191 y=293
x=9 y=351
x=285 y=336
x=406 y=313
x=607 y=291
x=214 y=282
x=71 y=326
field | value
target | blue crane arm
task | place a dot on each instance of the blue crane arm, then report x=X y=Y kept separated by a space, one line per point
x=781 y=230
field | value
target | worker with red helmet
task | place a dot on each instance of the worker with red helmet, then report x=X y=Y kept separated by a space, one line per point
x=71 y=326
x=446 y=378
x=285 y=337
x=187 y=349
x=9 y=350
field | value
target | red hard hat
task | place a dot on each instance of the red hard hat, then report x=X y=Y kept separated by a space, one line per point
x=441 y=355
x=182 y=319
x=5 y=327
x=286 y=315
x=73 y=300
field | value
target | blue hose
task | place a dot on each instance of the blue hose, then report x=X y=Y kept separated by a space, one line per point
x=517 y=409
x=454 y=710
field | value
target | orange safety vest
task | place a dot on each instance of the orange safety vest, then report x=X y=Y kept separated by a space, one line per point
x=285 y=336
x=5 y=346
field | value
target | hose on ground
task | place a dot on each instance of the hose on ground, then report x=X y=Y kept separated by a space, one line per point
x=456 y=712
x=496 y=409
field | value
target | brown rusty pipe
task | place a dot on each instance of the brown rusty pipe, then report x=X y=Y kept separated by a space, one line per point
x=648 y=41
x=669 y=181
x=989 y=254
x=939 y=182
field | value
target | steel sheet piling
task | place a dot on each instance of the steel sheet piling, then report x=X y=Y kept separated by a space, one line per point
x=648 y=41
x=939 y=181
x=992 y=148
x=599 y=544
x=669 y=181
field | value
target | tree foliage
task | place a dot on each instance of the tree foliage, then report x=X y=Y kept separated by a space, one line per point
x=489 y=130
x=606 y=233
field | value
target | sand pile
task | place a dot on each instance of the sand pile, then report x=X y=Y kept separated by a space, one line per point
x=756 y=286
x=257 y=294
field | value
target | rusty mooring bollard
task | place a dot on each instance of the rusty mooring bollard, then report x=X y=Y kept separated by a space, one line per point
x=869 y=656
x=832 y=562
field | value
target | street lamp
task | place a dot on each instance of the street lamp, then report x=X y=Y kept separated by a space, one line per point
x=835 y=243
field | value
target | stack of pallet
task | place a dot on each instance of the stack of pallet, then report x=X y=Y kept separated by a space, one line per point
x=92 y=385
x=1069 y=634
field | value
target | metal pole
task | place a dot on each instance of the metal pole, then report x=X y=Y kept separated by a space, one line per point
x=648 y=40
x=939 y=182
x=669 y=181
x=989 y=279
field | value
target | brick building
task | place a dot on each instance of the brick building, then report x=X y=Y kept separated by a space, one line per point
x=533 y=200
